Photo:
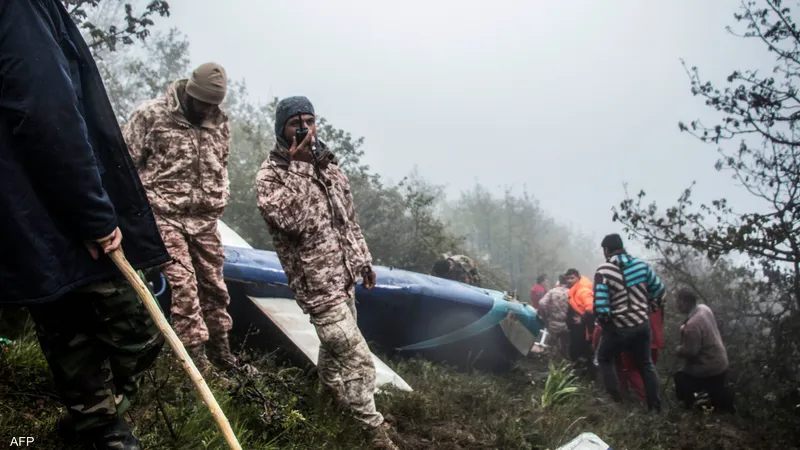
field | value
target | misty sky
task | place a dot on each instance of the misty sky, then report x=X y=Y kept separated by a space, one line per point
x=570 y=99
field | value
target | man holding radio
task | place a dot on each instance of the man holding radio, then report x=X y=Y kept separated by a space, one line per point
x=305 y=200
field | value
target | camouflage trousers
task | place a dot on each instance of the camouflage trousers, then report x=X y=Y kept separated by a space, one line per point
x=345 y=363
x=98 y=341
x=199 y=296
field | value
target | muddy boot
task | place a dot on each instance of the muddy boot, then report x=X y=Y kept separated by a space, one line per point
x=219 y=353
x=116 y=436
x=198 y=355
x=378 y=437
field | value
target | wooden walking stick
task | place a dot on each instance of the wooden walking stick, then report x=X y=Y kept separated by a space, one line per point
x=155 y=312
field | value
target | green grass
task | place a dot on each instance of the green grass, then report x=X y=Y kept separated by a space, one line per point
x=539 y=405
x=561 y=385
x=28 y=405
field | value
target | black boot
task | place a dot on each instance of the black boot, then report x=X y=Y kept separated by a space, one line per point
x=219 y=352
x=378 y=437
x=116 y=436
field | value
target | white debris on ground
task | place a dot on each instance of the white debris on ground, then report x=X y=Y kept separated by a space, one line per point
x=585 y=441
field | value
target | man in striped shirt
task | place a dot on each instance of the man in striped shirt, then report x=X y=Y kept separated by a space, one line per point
x=626 y=291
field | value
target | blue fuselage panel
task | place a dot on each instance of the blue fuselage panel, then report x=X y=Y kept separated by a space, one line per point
x=405 y=310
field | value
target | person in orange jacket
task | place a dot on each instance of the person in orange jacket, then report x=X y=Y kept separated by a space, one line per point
x=580 y=319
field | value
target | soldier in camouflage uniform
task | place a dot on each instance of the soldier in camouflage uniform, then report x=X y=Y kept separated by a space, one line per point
x=76 y=332
x=68 y=185
x=306 y=203
x=553 y=309
x=180 y=144
x=459 y=268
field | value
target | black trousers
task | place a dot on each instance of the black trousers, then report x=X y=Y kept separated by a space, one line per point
x=580 y=350
x=686 y=386
x=636 y=342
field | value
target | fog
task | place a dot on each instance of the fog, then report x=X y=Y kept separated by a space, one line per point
x=568 y=99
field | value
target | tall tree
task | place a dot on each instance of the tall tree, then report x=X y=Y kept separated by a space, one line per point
x=758 y=111
x=512 y=234
x=132 y=77
x=757 y=138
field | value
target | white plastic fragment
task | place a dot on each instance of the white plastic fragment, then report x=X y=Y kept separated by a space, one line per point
x=585 y=441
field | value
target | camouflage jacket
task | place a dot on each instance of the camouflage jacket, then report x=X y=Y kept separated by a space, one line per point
x=464 y=270
x=553 y=309
x=183 y=167
x=312 y=219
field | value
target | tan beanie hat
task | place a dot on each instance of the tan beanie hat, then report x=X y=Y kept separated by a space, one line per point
x=208 y=83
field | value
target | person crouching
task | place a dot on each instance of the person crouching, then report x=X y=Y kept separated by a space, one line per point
x=704 y=356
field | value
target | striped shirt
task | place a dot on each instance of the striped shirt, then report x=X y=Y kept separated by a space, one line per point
x=626 y=290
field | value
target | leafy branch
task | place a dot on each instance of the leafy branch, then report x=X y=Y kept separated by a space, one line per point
x=135 y=26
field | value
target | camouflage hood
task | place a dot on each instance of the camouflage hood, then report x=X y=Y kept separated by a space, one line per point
x=173 y=97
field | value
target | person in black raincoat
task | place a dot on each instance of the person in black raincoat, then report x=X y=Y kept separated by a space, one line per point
x=68 y=194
